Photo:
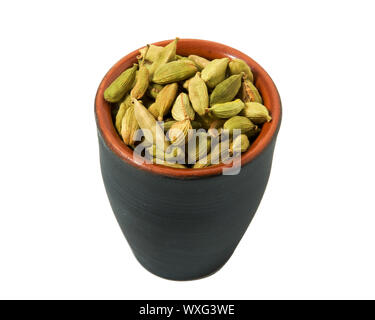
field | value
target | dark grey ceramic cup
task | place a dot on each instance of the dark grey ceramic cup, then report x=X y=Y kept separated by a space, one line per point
x=184 y=224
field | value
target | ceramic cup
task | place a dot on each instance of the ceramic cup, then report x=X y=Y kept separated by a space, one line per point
x=184 y=224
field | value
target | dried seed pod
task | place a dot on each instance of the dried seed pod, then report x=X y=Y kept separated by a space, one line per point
x=206 y=120
x=180 y=132
x=172 y=153
x=239 y=122
x=256 y=112
x=166 y=55
x=239 y=144
x=237 y=66
x=203 y=163
x=186 y=59
x=227 y=109
x=182 y=109
x=154 y=110
x=129 y=126
x=148 y=124
x=152 y=53
x=249 y=93
x=124 y=105
x=154 y=89
x=226 y=90
x=215 y=126
x=121 y=85
x=185 y=84
x=141 y=81
x=168 y=124
x=200 y=62
x=165 y=99
x=174 y=71
x=214 y=72
x=219 y=153
x=199 y=147
x=198 y=94
x=155 y=152
x=148 y=66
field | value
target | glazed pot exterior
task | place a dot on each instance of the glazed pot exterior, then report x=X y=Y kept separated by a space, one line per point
x=183 y=229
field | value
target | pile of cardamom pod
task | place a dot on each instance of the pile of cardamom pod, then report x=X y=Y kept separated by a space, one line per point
x=184 y=104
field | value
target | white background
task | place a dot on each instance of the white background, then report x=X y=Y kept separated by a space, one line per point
x=314 y=233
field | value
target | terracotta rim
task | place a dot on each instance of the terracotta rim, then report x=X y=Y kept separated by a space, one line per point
x=210 y=50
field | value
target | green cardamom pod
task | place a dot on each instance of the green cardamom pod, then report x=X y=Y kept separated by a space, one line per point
x=168 y=54
x=249 y=93
x=198 y=94
x=154 y=110
x=154 y=89
x=141 y=81
x=238 y=122
x=239 y=144
x=174 y=71
x=237 y=66
x=214 y=72
x=165 y=99
x=152 y=53
x=203 y=163
x=227 y=109
x=185 y=84
x=168 y=124
x=206 y=120
x=200 y=62
x=172 y=153
x=186 y=59
x=199 y=147
x=129 y=126
x=182 y=109
x=217 y=155
x=121 y=85
x=151 y=129
x=256 y=112
x=155 y=152
x=215 y=126
x=125 y=105
x=148 y=66
x=226 y=90
x=180 y=132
